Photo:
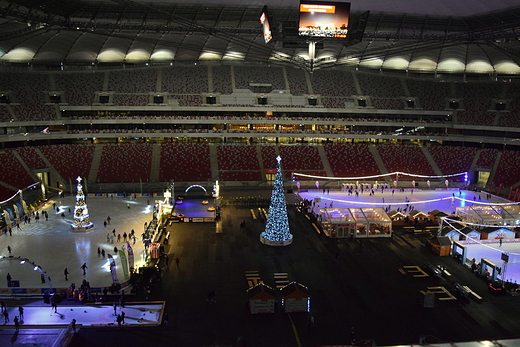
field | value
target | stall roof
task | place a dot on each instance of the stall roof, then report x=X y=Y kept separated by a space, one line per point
x=261 y=290
x=295 y=289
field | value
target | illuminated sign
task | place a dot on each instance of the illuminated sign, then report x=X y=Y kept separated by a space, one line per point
x=324 y=19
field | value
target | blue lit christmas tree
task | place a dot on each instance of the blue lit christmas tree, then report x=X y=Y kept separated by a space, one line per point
x=277 y=228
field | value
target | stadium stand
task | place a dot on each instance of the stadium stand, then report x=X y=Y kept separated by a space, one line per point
x=237 y=157
x=71 y=160
x=351 y=160
x=431 y=95
x=31 y=157
x=508 y=170
x=222 y=79
x=487 y=158
x=185 y=79
x=13 y=173
x=80 y=88
x=404 y=158
x=297 y=83
x=453 y=159
x=132 y=81
x=125 y=163
x=185 y=162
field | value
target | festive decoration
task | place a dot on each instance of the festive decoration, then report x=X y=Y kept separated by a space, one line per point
x=81 y=217
x=397 y=173
x=277 y=228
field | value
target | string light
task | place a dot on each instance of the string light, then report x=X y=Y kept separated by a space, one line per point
x=376 y=176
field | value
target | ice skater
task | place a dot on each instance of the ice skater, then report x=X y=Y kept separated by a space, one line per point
x=84 y=268
x=66 y=273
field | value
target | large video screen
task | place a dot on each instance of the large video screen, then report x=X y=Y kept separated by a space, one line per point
x=266 y=25
x=324 y=19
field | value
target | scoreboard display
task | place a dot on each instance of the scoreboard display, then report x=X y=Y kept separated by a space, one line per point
x=324 y=19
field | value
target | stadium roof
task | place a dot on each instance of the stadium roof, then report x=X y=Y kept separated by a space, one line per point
x=448 y=36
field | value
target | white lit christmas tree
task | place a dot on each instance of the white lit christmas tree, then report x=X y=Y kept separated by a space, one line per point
x=81 y=217
x=277 y=231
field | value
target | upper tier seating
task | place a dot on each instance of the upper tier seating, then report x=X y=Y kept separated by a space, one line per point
x=387 y=104
x=131 y=99
x=70 y=161
x=4 y=114
x=31 y=158
x=188 y=100
x=380 y=86
x=405 y=158
x=432 y=95
x=487 y=158
x=132 y=81
x=28 y=90
x=125 y=163
x=453 y=159
x=222 y=79
x=477 y=99
x=333 y=82
x=508 y=170
x=250 y=74
x=80 y=88
x=185 y=79
x=185 y=162
x=297 y=82
x=351 y=160
x=237 y=157
x=13 y=172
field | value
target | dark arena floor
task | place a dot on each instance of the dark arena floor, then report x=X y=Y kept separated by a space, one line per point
x=367 y=288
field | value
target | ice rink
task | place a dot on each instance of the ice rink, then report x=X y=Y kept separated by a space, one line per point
x=425 y=201
x=53 y=246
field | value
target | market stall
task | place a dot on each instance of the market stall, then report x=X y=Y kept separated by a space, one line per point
x=295 y=298
x=356 y=222
x=261 y=299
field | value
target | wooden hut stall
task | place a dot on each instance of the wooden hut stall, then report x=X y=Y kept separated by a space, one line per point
x=295 y=298
x=436 y=215
x=417 y=217
x=441 y=245
x=261 y=299
x=397 y=217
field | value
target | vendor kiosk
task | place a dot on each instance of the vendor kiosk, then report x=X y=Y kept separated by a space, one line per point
x=261 y=299
x=295 y=298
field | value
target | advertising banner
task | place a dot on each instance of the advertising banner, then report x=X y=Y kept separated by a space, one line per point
x=112 y=268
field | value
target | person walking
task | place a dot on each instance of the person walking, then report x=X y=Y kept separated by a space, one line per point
x=99 y=252
x=115 y=250
x=66 y=273
x=125 y=236
x=20 y=312
x=103 y=253
x=2 y=305
x=118 y=237
x=8 y=277
x=9 y=249
x=16 y=323
x=84 y=268
x=115 y=308
x=54 y=306
x=73 y=325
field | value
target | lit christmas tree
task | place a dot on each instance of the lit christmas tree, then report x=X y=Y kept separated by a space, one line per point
x=81 y=217
x=277 y=228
